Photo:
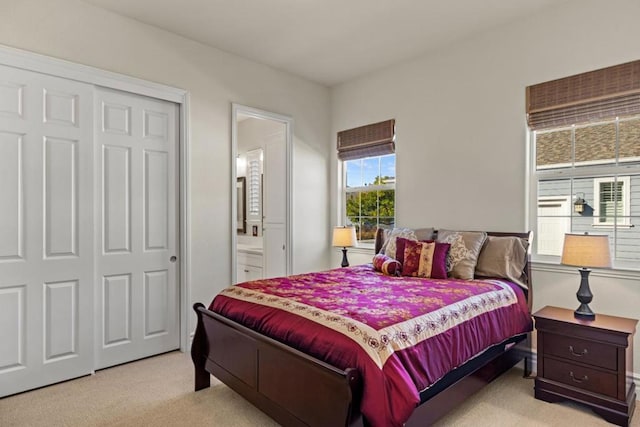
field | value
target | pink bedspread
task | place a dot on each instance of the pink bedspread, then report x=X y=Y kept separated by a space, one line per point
x=401 y=333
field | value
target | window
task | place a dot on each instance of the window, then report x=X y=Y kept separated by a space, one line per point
x=369 y=194
x=369 y=177
x=585 y=161
x=586 y=178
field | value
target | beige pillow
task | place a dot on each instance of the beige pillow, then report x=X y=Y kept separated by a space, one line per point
x=390 y=236
x=503 y=256
x=464 y=251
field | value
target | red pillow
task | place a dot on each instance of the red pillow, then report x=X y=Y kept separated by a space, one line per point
x=400 y=244
x=439 y=264
x=418 y=258
x=386 y=265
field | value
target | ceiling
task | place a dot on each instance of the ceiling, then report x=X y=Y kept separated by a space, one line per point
x=326 y=41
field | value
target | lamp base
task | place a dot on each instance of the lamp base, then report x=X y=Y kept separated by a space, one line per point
x=584 y=312
x=345 y=261
x=584 y=296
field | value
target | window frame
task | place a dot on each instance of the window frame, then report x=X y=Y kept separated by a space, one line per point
x=365 y=244
x=623 y=169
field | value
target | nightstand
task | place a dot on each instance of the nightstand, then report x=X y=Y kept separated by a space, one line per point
x=589 y=362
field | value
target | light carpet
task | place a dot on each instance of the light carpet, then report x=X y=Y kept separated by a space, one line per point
x=159 y=392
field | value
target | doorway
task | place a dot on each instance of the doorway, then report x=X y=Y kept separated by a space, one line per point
x=261 y=194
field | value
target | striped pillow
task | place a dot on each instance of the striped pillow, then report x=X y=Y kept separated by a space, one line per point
x=418 y=258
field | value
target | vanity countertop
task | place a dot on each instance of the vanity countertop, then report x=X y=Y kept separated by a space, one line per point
x=249 y=249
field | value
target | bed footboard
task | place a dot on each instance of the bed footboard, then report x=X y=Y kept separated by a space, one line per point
x=298 y=390
x=199 y=352
x=291 y=387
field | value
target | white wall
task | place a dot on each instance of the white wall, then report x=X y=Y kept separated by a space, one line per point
x=251 y=132
x=461 y=131
x=76 y=31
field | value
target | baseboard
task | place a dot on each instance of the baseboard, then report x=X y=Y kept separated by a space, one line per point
x=534 y=361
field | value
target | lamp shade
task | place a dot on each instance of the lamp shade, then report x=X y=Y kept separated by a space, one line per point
x=586 y=250
x=344 y=236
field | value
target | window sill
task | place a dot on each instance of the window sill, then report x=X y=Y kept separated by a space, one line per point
x=361 y=249
x=566 y=269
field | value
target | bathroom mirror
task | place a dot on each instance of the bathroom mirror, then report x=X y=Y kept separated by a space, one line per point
x=241 y=194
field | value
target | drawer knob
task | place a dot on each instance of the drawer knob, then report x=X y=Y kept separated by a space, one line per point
x=578 y=380
x=572 y=351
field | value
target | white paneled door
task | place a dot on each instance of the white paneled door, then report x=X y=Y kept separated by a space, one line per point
x=46 y=232
x=275 y=205
x=88 y=228
x=137 y=268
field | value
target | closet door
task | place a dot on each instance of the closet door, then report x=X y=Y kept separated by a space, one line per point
x=137 y=268
x=46 y=234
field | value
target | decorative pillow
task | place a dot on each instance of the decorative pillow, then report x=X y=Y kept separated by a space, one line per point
x=418 y=258
x=424 y=233
x=390 y=236
x=389 y=246
x=439 y=269
x=401 y=242
x=439 y=266
x=457 y=250
x=386 y=265
x=503 y=256
x=464 y=251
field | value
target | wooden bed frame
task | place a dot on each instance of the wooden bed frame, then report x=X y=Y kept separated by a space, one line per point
x=298 y=390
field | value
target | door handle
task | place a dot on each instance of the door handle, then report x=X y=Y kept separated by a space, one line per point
x=173 y=258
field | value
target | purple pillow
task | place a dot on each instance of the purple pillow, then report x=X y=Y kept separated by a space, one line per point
x=439 y=268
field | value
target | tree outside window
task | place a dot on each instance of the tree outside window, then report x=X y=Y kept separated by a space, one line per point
x=370 y=194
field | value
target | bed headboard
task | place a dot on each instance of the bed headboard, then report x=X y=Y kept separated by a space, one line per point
x=526 y=271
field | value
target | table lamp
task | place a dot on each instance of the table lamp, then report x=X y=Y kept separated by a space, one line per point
x=345 y=237
x=585 y=251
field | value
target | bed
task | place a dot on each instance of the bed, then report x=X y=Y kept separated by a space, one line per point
x=289 y=349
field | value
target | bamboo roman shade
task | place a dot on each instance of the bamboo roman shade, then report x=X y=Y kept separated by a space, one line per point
x=376 y=139
x=587 y=97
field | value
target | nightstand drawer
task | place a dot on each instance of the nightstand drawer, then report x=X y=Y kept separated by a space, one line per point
x=581 y=377
x=589 y=352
